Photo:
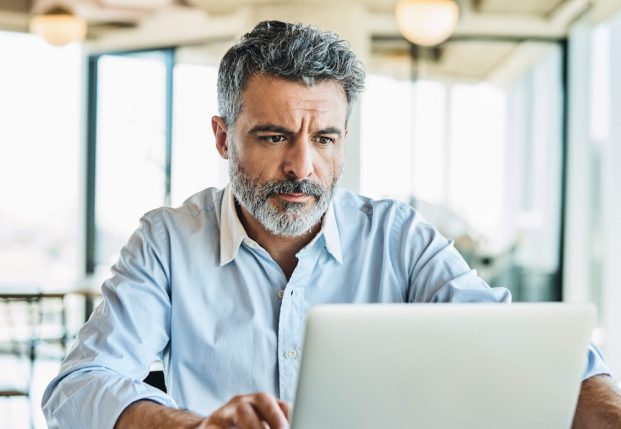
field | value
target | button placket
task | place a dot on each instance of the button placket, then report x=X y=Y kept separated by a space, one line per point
x=291 y=323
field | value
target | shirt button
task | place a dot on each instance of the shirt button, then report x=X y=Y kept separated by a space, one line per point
x=292 y=354
x=281 y=293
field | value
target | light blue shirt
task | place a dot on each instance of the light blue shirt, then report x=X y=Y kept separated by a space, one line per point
x=193 y=290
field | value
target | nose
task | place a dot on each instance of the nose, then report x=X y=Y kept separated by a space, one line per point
x=299 y=160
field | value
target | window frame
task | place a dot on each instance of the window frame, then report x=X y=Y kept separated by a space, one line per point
x=168 y=55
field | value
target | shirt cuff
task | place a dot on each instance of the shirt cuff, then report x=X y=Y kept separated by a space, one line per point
x=596 y=364
x=96 y=399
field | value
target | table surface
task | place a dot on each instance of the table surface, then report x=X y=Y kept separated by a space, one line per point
x=34 y=290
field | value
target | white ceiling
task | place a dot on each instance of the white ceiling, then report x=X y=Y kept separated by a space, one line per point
x=526 y=7
x=535 y=8
x=529 y=7
x=151 y=23
x=540 y=18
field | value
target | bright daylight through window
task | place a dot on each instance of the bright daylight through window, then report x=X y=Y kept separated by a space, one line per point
x=481 y=161
x=40 y=160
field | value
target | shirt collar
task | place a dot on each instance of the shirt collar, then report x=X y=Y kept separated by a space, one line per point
x=330 y=231
x=232 y=232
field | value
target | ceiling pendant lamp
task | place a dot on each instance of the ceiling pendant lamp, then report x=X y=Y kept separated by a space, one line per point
x=58 y=26
x=427 y=22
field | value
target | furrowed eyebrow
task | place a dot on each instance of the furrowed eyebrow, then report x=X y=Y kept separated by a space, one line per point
x=282 y=130
x=329 y=130
x=270 y=128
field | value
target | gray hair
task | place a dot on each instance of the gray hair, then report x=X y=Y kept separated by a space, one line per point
x=296 y=52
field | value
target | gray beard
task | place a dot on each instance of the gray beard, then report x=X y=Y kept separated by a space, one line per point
x=294 y=219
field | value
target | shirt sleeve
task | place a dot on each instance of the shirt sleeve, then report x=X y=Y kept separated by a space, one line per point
x=438 y=273
x=596 y=363
x=103 y=372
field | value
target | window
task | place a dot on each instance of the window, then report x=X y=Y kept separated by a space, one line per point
x=597 y=176
x=40 y=161
x=131 y=146
x=151 y=142
x=481 y=160
x=195 y=161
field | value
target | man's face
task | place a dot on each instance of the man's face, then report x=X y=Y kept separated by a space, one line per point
x=286 y=151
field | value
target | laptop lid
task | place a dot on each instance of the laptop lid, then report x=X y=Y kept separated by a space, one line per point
x=442 y=366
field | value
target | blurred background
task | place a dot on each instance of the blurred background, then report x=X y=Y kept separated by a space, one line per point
x=496 y=119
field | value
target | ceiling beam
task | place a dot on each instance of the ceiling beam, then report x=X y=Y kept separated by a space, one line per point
x=604 y=9
x=191 y=26
x=482 y=24
x=569 y=11
x=489 y=25
x=14 y=21
x=23 y=6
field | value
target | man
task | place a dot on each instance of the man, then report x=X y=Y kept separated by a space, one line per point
x=219 y=288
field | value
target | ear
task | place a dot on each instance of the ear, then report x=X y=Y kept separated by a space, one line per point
x=220 y=132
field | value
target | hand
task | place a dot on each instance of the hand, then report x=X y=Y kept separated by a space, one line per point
x=255 y=411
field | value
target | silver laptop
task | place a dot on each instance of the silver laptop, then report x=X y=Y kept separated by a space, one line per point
x=442 y=366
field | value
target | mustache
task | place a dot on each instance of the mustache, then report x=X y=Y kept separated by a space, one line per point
x=307 y=187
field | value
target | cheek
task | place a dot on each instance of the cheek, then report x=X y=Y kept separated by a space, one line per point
x=330 y=168
x=256 y=163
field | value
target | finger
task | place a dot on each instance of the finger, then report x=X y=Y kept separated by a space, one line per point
x=268 y=408
x=285 y=406
x=245 y=417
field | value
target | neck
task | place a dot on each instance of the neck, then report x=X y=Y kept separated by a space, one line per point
x=281 y=249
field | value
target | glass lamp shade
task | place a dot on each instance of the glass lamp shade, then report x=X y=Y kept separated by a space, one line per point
x=427 y=22
x=58 y=29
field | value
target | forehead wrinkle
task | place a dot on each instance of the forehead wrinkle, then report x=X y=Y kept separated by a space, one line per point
x=283 y=103
x=296 y=121
x=315 y=124
x=311 y=109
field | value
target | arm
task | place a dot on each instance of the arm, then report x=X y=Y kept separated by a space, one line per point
x=434 y=269
x=155 y=416
x=103 y=372
x=241 y=412
x=437 y=273
x=100 y=383
x=599 y=404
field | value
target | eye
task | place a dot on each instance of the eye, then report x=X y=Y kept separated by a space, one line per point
x=324 y=140
x=273 y=138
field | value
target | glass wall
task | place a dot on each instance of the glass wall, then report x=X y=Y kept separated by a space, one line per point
x=481 y=159
x=594 y=217
x=131 y=147
x=40 y=158
x=41 y=215
x=195 y=162
x=144 y=158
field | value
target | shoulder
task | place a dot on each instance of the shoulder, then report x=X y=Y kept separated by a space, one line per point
x=350 y=206
x=394 y=223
